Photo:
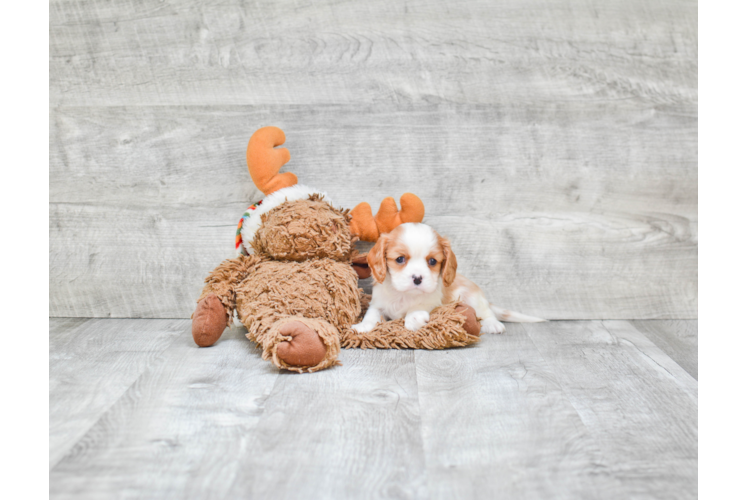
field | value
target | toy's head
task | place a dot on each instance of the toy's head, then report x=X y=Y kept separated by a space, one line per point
x=296 y=222
x=305 y=229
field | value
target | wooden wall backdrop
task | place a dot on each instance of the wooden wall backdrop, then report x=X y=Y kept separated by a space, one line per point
x=555 y=142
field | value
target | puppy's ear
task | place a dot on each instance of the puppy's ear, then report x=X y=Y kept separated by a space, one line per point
x=377 y=259
x=449 y=268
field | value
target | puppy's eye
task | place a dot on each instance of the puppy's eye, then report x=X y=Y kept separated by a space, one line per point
x=432 y=262
x=400 y=259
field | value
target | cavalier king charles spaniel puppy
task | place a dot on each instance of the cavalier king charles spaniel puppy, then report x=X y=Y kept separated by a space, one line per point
x=416 y=272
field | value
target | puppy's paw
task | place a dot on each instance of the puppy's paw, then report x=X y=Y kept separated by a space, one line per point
x=492 y=325
x=415 y=320
x=364 y=327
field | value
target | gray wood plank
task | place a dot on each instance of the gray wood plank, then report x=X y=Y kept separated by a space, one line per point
x=582 y=156
x=92 y=363
x=149 y=197
x=349 y=432
x=62 y=330
x=134 y=261
x=497 y=424
x=235 y=52
x=679 y=339
x=557 y=410
x=577 y=265
x=547 y=266
x=177 y=431
x=221 y=423
x=639 y=405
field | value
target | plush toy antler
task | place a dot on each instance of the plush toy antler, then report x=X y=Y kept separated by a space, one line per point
x=264 y=161
x=368 y=228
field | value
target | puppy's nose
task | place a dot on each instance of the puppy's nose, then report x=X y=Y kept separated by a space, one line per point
x=417 y=279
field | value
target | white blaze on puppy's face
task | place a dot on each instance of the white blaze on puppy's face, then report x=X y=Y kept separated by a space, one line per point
x=414 y=256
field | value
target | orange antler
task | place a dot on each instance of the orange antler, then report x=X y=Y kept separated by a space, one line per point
x=264 y=161
x=368 y=227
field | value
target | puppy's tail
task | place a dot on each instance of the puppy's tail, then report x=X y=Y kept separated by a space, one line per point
x=514 y=317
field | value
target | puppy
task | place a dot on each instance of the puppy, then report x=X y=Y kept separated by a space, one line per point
x=416 y=272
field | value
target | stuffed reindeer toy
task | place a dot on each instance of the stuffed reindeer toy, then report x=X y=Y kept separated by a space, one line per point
x=294 y=281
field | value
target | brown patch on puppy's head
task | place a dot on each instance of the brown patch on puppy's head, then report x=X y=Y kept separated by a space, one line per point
x=384 y=253
x=305 y=229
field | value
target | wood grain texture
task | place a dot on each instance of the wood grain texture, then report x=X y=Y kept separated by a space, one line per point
x=554 y=142
x=349 y=432
x=132 y=261
x=676 y=338
x=149 y=205
x=596 y=157
x=312 y=53
x=92 y=363
x=222 y=423
x=497 y=424
x=639 y=405
x=177 y=430
x=584 y=409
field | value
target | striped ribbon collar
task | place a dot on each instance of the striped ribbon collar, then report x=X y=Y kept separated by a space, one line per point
x=240 y=248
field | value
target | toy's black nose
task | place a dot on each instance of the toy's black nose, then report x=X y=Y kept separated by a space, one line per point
x=417 y=279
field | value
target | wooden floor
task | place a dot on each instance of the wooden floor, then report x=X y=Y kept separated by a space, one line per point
x=584 y=409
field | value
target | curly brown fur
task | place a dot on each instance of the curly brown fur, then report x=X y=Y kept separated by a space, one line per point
x=225 y=278
x=365 y=299
x=444 y=330
x=319 y=288
x=305 y=229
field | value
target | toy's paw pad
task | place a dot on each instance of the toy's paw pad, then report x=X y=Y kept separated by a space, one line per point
x=305 y=347
x=471 y=324
x=208 y=321
x=492 y=325
x=416 y=319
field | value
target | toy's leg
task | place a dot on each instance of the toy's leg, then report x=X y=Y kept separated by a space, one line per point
x=218 y=299
x=300 y=344
x=208 y=321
